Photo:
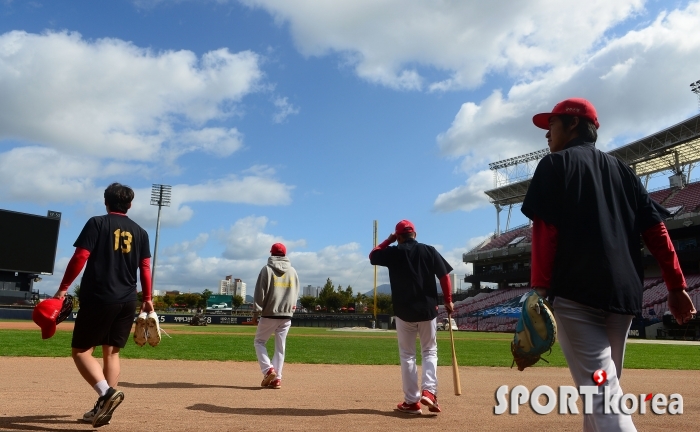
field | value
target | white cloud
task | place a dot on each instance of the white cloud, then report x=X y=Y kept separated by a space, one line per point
x=250 y=189
x=110 y=98
x=260 y=171
x=468 y=196
x=284 y=109
x=187 y=247
x=105 y=108
x=389 y=41
x=245 y=240
x=247 y=247
x=490 y=131
x=258 y=190
x=345 y=264
x=217 y=141
x=637 y=82
x=44 y=175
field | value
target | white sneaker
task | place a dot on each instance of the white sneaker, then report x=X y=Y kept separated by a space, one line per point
x=140 y=331
x=153 y=332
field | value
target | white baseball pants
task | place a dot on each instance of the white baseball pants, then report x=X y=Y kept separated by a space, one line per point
x=407 y=332
x=593 y=339
x=266 y=327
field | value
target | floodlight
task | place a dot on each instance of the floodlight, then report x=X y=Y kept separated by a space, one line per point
x=160 y=196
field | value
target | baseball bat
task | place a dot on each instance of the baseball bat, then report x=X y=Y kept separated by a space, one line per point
x=455 y=368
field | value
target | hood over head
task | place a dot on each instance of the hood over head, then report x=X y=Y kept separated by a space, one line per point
x=279 y=264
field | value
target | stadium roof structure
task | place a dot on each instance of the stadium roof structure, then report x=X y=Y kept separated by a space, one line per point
x=513 y=193
x=668 y=150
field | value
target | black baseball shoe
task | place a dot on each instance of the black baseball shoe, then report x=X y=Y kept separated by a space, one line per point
x=89 y=416
x=105 y=406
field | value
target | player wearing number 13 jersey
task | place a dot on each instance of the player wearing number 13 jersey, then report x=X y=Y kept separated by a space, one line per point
x=115 y=248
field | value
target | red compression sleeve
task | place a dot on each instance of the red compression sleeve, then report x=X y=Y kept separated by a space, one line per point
x=75 y=265
x=659 y=243
x=544 y=247
x=145 y=274
x=383 y=245
x=446 y=286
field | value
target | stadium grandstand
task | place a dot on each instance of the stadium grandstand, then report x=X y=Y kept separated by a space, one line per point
x=503 y=260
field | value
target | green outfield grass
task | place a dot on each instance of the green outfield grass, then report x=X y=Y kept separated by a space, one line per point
x=321 y=346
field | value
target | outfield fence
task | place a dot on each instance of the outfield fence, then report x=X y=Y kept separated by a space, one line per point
x=326 y=320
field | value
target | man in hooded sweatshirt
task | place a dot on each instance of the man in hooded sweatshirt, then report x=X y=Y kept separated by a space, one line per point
x=276 y=293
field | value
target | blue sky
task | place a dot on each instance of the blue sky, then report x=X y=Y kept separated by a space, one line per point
x=304 y=121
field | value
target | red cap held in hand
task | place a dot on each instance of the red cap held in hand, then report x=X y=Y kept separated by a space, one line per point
x=278 y=249
x=574 y=107
x=45 y=314
x=405 y=226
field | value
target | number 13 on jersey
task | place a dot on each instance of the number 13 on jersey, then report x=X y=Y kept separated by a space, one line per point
x=123 y=239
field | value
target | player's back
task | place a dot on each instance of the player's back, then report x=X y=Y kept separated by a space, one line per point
x=412 y=269
x=117 y=245
x=602 y=208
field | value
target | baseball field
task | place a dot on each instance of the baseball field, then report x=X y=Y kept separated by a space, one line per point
x=206 y=378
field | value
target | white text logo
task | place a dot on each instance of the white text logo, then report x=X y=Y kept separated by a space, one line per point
x=568 y=395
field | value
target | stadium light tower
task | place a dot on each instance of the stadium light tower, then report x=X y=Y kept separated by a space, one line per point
x=695 y=88
x=160 y=196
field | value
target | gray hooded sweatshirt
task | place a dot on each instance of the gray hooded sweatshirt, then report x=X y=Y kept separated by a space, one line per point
x=277 y=289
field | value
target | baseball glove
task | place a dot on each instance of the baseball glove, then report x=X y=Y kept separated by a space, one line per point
x=66 y=309
x=535 y=332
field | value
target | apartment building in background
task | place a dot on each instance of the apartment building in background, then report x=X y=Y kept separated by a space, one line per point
x=232 y=286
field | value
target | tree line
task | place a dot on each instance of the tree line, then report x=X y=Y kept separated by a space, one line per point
x=330 y=299
x=334 y=299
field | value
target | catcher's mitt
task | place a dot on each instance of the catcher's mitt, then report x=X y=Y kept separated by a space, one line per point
x=535 y=332
x=66 y=309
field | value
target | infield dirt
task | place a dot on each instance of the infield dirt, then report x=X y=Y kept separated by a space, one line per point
x=47 y=394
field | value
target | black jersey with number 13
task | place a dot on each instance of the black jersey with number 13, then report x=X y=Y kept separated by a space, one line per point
x=117 y=245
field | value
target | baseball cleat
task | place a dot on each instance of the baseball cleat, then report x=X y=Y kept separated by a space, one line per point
x=141 y=329
x=269 y=377
x=153 y=329
x=275 y=384
x=89 y=416
x=413 y=408
x=430 y=400
x=105 y=406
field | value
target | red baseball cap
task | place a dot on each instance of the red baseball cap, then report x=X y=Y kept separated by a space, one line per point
x=405 y=226
x=45 y=314
x=278 y=249
x=574 y=106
